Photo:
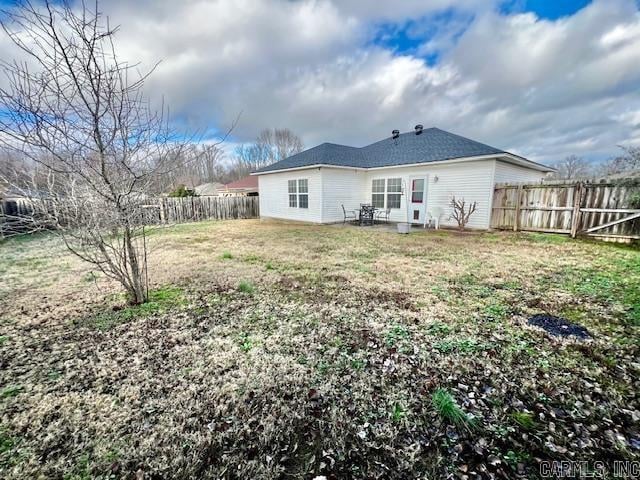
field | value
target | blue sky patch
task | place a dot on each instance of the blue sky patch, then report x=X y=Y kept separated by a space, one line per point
x=548 y=9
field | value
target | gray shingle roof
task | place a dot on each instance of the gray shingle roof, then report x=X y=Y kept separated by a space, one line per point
x=431 y=145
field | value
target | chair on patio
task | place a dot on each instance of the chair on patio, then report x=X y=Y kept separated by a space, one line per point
x=435 y=214
x=367 y=214
x=383 y=215
x=349 y=215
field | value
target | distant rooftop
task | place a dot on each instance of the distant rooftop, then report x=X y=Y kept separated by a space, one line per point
x=245 y=183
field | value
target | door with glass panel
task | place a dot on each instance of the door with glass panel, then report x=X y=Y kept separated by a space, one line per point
x=417 y=199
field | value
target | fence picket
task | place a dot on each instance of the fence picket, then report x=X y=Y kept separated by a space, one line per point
x=161 y=210
x=571 y=208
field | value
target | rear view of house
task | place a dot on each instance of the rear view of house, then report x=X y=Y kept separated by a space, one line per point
x=410 y=175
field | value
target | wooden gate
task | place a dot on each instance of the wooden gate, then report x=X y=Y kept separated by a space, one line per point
x=594 y=209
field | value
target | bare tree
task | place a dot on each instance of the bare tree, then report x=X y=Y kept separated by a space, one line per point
x=627 y=162
x=197 y=164
x=272 y=145
x=572 y=167
x=78 y=113
x=461 y=211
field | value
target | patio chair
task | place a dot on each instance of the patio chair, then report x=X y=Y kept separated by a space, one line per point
x=349 y=215
x=435 y=214
x=383 y=215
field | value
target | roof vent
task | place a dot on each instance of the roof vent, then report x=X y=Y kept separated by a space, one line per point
x=418 y=129
x=395 y=134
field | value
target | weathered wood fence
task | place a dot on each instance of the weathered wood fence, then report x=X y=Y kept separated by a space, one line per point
x=595 y=209
x=194 y=209
x=14 y=212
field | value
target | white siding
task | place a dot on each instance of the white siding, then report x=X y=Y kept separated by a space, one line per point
x=274 y=196
x=330 y=188
x=509 y=173
x=341 y=186
x=472 y=181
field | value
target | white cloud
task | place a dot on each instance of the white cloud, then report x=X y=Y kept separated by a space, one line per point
x=542 y=88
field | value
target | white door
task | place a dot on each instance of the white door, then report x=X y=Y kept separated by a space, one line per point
x=418 y=200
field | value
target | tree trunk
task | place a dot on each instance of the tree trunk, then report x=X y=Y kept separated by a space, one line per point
x=136 y=290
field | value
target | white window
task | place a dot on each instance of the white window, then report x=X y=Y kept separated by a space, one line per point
x=394 y=192
x=293 y=197
x=377 y=193
x=303 y=193
x=298 y=193
x=389 y=189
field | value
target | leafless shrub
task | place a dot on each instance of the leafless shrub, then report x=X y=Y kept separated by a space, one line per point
x=462 y=211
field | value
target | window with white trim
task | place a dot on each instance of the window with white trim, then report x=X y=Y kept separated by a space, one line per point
x=298 y=193
x=377 y=193
x=386 y=193
x=394 y=192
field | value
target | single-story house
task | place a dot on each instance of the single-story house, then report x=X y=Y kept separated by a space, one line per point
x=245 y=187
x=425 y=167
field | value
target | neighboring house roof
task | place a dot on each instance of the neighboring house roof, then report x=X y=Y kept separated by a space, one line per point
x=209 y=189
x=432 y=145
x=247 y=183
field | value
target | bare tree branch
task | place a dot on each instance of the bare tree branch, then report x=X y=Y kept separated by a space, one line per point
x=90 y=145
x=461 y=211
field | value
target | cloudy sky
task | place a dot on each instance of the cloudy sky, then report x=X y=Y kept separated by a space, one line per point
x=544 y=79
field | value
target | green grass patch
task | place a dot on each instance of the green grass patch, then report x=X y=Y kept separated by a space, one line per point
x=25 y=238
x=245 y=342
x=615 y=282
x=446 y=406
x=459 y=345
x=525 y=420
x=3 y=339
x=81 y=469
x=226 y=256
x=8 y=445
x=495 y=311
x=549 y=238
x=6 y=442
x=439 y=329
x=513 y=458
x=398 y=412
x=160 y=300
x=246 y=287
x=396 y=334
x=252 y=258
x=10 y=391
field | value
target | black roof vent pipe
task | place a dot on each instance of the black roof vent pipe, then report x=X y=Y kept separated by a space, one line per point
x=418 y=129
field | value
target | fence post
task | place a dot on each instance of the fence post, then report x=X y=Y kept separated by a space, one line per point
x=516 y=223
x=577 y=214
x=163 y=217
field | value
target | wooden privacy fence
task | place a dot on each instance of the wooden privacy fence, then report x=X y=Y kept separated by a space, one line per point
x=16 y=214
x=194 y=209
x=595 y=209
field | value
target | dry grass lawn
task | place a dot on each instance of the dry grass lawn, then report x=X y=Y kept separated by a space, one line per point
x=291 y=351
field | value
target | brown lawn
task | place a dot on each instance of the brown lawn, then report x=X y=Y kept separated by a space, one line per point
x=290 y=351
